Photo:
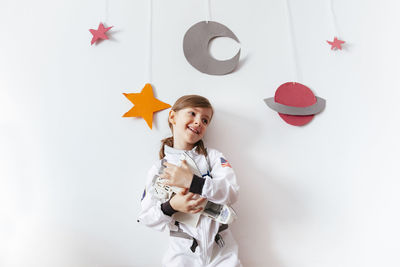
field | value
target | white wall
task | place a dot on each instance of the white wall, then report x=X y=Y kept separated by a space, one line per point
x=72 y=170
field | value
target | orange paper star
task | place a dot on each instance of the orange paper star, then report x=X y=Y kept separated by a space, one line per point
x=145 y=104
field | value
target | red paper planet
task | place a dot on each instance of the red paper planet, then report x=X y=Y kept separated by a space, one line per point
x=295 y=103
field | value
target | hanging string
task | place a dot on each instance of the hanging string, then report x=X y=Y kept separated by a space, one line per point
x=105 y=18
x=150 y=44
x=333 y=16
x=292 y=41
x=208 y=11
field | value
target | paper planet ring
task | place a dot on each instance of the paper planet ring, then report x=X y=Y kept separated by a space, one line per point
x=299 y=111
x=196 y=48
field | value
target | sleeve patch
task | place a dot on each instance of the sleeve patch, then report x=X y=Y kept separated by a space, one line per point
x=225 y=163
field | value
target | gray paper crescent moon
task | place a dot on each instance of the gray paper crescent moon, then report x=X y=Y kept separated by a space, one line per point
x=317 y=107
x=195 y=48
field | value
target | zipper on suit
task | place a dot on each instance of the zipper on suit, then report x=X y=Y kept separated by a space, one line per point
x=195 y=164
x=204 y=243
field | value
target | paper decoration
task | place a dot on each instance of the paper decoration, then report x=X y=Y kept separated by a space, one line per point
x=195 y=47
x=100 y=33
x=336 y=44
x=295 y=103
x=145 y=105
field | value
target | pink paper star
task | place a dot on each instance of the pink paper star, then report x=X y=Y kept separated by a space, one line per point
x=100 y=33
x=336 y=44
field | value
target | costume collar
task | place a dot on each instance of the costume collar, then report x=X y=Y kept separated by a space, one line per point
x=171 y=150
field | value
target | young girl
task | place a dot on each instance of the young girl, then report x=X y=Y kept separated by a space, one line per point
x=209 y=243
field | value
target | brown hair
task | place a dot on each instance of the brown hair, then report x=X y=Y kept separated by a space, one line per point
x=186 y=101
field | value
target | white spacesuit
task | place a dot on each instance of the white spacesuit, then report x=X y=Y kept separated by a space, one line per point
x=210 y=243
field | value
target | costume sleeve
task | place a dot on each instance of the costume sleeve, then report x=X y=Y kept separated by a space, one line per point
x=151 y=213
x=221 y=187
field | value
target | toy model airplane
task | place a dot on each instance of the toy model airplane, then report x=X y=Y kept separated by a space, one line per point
x=221 y=213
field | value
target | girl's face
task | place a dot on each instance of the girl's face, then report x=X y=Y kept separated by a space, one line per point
x=189 y=126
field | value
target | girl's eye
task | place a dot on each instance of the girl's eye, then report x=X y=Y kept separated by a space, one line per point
x=192 y=113
x=205 y=121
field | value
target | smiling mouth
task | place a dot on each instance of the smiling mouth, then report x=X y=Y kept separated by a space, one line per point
x=193 y=130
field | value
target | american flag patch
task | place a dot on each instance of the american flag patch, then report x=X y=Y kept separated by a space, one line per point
x=225 y=163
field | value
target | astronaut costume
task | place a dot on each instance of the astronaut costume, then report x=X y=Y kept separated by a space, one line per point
x=210 y=243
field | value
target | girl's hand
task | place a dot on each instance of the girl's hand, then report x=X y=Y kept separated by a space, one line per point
x=177 y=176
x=184 y=202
